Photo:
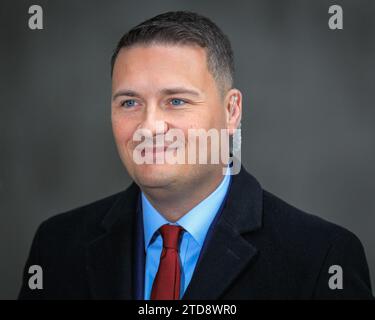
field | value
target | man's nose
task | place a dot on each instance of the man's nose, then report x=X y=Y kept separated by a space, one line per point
x=154 y=121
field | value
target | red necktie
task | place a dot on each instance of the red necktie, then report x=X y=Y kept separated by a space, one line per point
x=166 y=285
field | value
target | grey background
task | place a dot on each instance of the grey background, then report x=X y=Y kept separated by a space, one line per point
x=308 y=121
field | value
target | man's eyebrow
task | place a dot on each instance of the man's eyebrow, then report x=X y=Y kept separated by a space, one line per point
x=129 y=93
x=180 y=90
x=166 y=91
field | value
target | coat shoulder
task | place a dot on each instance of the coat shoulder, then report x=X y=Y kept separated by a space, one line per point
x=309 y=246
x=295 y=224
x=80 y=224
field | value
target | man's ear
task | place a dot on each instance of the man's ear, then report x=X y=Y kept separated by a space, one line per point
x=233 y=108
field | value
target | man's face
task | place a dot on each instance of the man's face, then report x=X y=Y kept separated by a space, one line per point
x=169 y=83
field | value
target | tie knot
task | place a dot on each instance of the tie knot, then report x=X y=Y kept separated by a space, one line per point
x=170 y=235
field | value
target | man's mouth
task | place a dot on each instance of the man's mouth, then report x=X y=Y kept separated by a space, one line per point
x=157 y=150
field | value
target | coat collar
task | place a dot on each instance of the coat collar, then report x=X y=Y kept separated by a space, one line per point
x=110 y=257
x=226 y=253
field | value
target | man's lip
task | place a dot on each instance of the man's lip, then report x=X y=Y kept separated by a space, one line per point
x=159 y=149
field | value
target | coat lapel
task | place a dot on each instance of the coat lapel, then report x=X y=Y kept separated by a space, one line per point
x=226 y=253
x=110 y=256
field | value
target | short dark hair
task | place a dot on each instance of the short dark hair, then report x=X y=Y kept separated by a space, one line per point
x=185 y=27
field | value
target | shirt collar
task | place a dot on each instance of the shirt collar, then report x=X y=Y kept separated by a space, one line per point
x=196 y=222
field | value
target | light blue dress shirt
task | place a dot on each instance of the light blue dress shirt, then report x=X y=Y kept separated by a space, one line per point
x=196 y=223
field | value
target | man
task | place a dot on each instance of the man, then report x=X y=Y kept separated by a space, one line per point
x=185 y=230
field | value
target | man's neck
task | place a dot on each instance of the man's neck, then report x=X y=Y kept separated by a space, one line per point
x=175 y=203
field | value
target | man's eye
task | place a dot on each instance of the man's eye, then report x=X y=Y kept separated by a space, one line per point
x=128 y=103
x=177 y=102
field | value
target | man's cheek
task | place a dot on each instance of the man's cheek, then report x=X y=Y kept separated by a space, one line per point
x=119 y=130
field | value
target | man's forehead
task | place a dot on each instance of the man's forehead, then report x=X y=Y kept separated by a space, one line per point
x=161 y=68
x=187 y=56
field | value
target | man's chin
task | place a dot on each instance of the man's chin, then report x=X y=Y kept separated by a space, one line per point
x=156 y=175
